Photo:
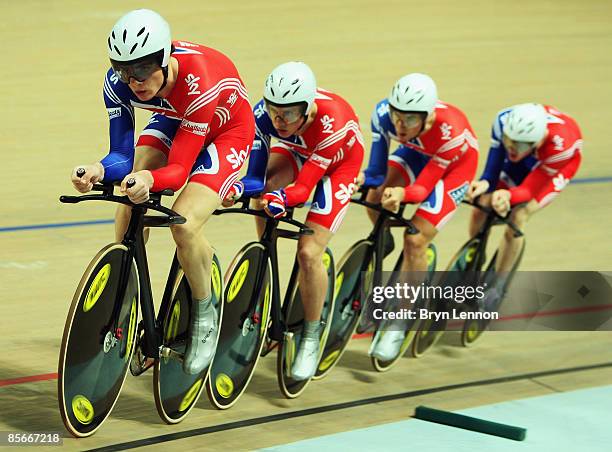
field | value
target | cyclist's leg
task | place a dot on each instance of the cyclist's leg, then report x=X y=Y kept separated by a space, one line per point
x=330 y=204
x=282 y=170
x=212 y=177
x=151 y=153
x=478 y=217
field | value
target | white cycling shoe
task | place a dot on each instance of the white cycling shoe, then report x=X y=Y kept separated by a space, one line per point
x=201 y=337
x=307 y=359
x=388 y=346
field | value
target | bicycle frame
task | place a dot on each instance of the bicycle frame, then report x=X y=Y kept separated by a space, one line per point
x=268 y=240
x=133 y=240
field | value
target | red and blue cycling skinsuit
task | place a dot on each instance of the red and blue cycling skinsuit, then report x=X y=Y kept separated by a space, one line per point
x=542 y=175
x=437 y=166
x=204 y=126
x=328 y=154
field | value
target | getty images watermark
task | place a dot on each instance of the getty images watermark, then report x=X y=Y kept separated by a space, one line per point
x=404 y=301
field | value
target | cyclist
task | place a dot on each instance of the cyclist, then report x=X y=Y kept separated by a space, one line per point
x=535 y=151
x=318 y=142
x=200 y=132
x=433 y=166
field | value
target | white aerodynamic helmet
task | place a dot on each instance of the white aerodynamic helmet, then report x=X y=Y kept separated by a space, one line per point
x=526 y=122
x=291 y=83
x=414 y=92
x=138 y=34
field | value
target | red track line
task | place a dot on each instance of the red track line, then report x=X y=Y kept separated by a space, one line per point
x=16 y=381
x=604 y=307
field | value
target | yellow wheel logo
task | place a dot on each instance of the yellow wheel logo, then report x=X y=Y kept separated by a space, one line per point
x=224 y=385
x=326 y=260
x=431 y=255
x=264 y=318
x=339 y=281
x=191 y=395
x=237 y=281
x=97 y=287
x=82 y=409
x=329 y=360
x=216 y=280
x=469 y=255
x=472 y=331
x=173 y=322
x=131 y=327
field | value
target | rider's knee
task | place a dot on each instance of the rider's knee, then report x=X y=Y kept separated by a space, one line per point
x=309 y=255
x=185 y=234
x=415 y=244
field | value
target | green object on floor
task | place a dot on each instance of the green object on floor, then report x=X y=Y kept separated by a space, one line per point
x=470 y=423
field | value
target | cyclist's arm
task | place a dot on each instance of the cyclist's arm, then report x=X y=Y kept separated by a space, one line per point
x=376 y=171
x=255 y=178
x=120 y=159
x=312 y=171
x=496 y=156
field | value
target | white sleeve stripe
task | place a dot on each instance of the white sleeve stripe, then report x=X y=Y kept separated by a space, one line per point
x=161 y=136
x=113 y=96
x=567 y=154
x=466 y=136
x=193 y=108
x=213 y=92
x=550 y=171
x=118 y=163
x=340 y=134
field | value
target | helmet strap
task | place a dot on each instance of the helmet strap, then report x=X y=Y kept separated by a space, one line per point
x=165 y=72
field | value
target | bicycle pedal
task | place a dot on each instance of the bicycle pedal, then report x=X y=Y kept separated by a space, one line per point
x=167 y=352
x=289 y=352
x=140 y=363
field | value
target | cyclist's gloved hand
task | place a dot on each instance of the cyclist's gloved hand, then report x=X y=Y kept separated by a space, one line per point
x=234 y=194
x=275 y=203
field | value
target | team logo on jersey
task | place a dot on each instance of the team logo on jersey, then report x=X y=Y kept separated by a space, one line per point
x=459 y=193
x=199 y=128
x=237 y=158
x=192 y=84
x=259 y=111
x=327 y=124
x=558 y=142
x=344 y=194
x=231 y=100
x=114 y=112
x=114 y=78
x=445 y=129
x=560 y=182
x=382 y=109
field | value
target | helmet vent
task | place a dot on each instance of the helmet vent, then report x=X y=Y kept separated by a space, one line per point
x=109 y=45
x=117 y=50
x=133 y=48
x=145 y=40
x=296 y=89
x=141 y=31
x=273 y=93
x=124 y=35
x=286 y=92
x=113 y=34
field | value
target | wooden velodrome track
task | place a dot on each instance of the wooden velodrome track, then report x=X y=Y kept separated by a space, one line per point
x=483 y=55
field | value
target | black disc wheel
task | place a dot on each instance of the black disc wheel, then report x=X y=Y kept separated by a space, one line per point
x=98 y=341
x=248 y=292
